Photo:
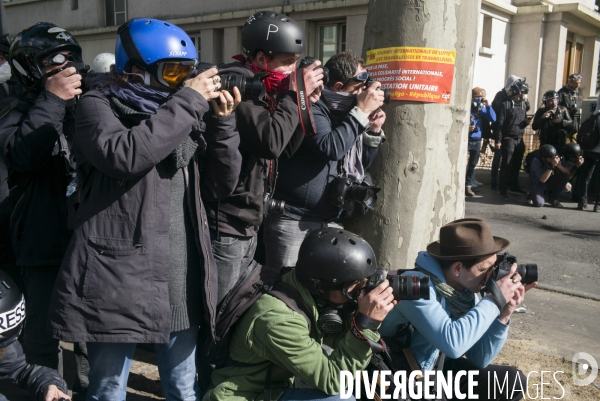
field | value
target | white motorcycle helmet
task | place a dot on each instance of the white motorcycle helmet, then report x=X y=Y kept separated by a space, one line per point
x=102 y=62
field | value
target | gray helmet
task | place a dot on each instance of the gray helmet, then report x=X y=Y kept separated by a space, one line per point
x=330 y=257
x=271 y=33
x=547 y=151
x=103 y=62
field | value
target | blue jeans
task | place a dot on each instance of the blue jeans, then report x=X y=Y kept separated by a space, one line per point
x=110 y=364
x=232 y=255
x=305 y=394
x=284 y=235
x=555 y=185
x=474 y=149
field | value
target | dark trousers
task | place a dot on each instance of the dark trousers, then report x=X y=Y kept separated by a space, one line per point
x=40 y=346
x=512 y=158
x=474 y=149
x=496 y=166
x=588 y=179
x=485 y=389
x=554 y=185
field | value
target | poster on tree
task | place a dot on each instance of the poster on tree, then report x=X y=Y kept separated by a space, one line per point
x=417 y=74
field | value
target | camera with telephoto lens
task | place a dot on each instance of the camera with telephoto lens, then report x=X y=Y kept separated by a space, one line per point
x=386 y=92
x=272 y=206
x=528 y=272
x=405 y=286
x=251 y=88
x=308 y=61
x=345 y=191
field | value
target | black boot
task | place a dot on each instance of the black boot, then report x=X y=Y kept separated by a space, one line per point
x=581 y=205
x=597 y=207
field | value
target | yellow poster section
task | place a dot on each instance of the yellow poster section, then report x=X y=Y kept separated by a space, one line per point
x=422 y=54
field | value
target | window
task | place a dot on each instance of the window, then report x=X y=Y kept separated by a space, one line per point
x=74 y=4
x=197 y=42
x=331 y=40
x=116 y=12
x=486 y=35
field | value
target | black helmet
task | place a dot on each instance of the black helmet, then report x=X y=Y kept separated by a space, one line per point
x=519 y=88
x=330 y=257
x=547 y=151
x=272 y=33
x=551 y=94
x=4 y=45
x=572 y=150
x=31 y=45
x=12 y=310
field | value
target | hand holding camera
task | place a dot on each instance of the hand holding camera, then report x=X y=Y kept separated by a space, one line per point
x=313 y=80
x=226 y=103
x=370 y=99
x=378 y=302
x=205 y=84
x=54 y=394
x=65 y=84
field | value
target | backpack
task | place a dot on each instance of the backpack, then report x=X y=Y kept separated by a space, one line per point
x=529 y=160
x=588 y=137
x=252 y=284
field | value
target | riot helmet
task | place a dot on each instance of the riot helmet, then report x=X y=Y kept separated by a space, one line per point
x=102 y=62
x=551 y=94
x=547 y=151
x=572 y=150
x=271 y=33
x=33 y=44
x=12 y=310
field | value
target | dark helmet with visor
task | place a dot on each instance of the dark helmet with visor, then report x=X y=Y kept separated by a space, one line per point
x=35 y=43
x=551 y=94
x=271 y=33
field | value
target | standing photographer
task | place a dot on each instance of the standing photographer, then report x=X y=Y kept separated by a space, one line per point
x=34 y=138
x=272 y=44
x=553 y=121
x=482 y=116
x=454 y=329
x=348 y=123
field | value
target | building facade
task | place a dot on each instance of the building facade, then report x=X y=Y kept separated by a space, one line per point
x=542 y=40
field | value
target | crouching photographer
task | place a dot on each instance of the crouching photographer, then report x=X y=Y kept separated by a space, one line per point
x=454 y=322
x=327 y=174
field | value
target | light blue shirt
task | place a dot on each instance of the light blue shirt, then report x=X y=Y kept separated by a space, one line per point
x=478 y=335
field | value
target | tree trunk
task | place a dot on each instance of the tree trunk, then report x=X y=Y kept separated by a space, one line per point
x=421 y=168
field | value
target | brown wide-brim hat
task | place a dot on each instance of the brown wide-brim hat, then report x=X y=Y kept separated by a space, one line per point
x=466 y=239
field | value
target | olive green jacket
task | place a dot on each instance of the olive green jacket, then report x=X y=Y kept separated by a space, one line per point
x=271 y=333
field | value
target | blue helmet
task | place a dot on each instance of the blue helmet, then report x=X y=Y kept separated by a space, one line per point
x=148 y=43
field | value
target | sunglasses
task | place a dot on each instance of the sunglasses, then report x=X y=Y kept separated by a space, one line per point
x=360 y=77
x=60 y=59
x=173 y=73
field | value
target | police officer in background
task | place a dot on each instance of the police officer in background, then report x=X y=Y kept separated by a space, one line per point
x=272 y=44
x=569 y=94
x=553 y=121
x=34 y=139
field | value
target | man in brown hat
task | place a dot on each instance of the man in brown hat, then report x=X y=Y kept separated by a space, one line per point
x=482 y=116
x=455 y=330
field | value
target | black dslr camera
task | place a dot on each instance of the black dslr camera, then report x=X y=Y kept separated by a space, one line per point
x=386 y=92
x=308 y=61
x=251 y=88
x=528 y=272
x=405 y=287
x=345 y=191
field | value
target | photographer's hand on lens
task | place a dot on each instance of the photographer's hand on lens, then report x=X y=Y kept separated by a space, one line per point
x=65 y=84
x=378 y=302
x=508 y=285
x=376 y=120
x=313 y=78
x=227 y=104
x=205 y=85
x=54 y=394
x=514 y=302
x=371 y=99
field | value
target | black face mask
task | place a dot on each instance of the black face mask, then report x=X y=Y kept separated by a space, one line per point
x=332 y=315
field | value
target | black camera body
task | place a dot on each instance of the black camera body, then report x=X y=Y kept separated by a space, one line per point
x=308 y=61
x=405 y=286
x=345 y=191
x=251 y=88
x=272 y=206
x=386 y=92
x=528 y=272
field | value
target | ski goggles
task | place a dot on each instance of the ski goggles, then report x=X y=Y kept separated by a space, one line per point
x=60 y=59
x=360 y=77
x=173 y=73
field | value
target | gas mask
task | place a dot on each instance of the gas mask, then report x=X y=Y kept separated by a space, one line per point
x=332 y=316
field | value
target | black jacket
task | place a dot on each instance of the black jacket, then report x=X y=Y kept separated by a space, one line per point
x=263 y=137
x=113 y=285
x=510 y=119
x=30 y=144
x=553 y=134
x=34 y=378
x=567 y=98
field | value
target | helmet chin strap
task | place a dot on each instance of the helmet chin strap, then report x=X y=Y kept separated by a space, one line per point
x=145 y=77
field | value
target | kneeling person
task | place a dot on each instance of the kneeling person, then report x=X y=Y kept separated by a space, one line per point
x=454 y=321
x=271 y=343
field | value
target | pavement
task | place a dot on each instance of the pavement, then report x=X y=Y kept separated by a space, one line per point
x=564 y=243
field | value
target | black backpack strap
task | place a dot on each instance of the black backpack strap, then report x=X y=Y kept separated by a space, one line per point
x=292 y=298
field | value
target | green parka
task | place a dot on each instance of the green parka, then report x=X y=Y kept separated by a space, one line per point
x=271 y=333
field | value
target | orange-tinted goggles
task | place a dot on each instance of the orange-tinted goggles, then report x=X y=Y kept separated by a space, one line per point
x=172 y=73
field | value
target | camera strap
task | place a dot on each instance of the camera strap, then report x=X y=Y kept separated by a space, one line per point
x=306 y=118
x=493 y=288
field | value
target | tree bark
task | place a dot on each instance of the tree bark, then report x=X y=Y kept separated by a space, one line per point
x=421 y=168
